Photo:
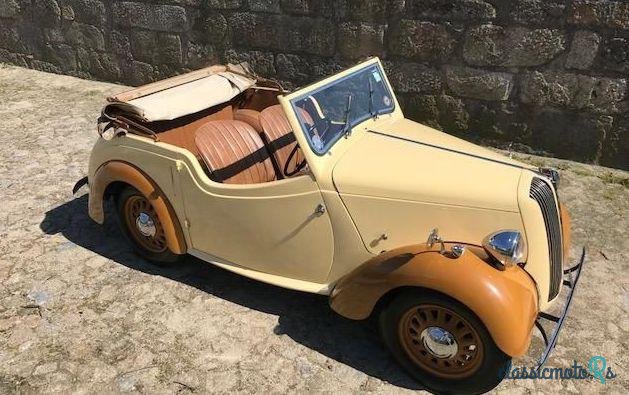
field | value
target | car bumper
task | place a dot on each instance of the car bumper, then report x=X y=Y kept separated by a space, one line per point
x=571 y=278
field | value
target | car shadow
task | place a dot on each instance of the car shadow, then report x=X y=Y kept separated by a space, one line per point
x=305 y=318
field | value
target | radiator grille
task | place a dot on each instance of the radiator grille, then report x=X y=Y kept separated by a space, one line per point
x=542 y=193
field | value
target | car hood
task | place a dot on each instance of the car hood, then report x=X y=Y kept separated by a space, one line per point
x=408 y=161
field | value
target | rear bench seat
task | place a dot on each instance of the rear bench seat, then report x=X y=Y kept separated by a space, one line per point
x=234 y=153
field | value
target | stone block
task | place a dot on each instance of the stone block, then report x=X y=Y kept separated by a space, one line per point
x=359 y=39
x=9 y=8
x=12 y=58
x=574 y=91
x=272 y=6
x=298 y=7
x=424 y=41
x=568 y=135
x=613 y=14
x=10 y=37
x=465 y=10
x=46 y=12
x=200 y=55
x=215 y=29
x=304 y=69
x=615 y=54
x=166 y=18
x=540 y=12
x=284 y=33
x=260 y=62
x=413 y=77
x=143 y=45
x=478 y=84
x=442 y=112
x=223 y=4
x=139 y=73
x=615 y=151
x=119 y=43
x=491 y=45
x=91 y=12
x=169 y=50
x=82 y=35
x=583 y=50
x=61 y=55
x=103 y=66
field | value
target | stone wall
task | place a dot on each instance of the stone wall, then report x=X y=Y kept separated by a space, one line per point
x=546 y=75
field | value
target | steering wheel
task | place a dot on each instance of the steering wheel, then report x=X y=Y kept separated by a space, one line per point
x=298 y=167
x=313 y=129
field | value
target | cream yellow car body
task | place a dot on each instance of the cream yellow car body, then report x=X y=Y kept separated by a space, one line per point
x=383 y=187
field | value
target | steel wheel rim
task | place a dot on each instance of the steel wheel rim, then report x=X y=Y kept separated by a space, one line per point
x=416 y=324
x=138 y=209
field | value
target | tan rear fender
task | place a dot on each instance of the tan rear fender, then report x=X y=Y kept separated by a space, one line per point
x=117 y=171
x=505 y=301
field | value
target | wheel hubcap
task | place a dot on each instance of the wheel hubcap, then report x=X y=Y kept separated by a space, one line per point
x=146 y=225
x=440 y=341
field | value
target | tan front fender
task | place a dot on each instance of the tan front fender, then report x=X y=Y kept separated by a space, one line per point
x=123 y=172
x=505 y=301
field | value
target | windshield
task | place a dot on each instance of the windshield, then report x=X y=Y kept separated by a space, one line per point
x=329 y=112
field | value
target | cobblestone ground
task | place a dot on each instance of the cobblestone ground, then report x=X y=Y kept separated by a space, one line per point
x=80 y=313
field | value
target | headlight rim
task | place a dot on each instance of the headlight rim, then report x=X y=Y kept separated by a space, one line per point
x=518 y=253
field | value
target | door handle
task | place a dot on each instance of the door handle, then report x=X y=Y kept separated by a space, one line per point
x=319 y=210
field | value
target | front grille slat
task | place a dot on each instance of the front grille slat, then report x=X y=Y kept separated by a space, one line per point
x=542 y=193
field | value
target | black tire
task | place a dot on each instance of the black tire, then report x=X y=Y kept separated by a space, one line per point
x=492 y=363
x=160 y=254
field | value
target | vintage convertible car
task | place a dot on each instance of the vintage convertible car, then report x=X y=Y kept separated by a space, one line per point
x=330 y=190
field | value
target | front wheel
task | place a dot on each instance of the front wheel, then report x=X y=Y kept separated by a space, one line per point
x=441 y=343
x=140 y=223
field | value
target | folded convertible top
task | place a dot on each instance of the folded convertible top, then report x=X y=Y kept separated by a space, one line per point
x=182 y=95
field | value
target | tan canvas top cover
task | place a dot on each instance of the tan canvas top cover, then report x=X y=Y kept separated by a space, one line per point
x=182 y=95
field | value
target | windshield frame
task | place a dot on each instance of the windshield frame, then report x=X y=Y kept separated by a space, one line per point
x=352 y=122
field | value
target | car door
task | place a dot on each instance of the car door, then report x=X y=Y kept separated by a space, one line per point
x=280 y=227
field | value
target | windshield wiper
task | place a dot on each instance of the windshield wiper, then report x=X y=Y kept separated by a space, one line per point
x=346 y=129
x=371 y=110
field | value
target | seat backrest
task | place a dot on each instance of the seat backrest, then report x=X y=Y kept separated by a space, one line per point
x=252 y=117
x=234 y=153
x=182 y=132
x=280 y=137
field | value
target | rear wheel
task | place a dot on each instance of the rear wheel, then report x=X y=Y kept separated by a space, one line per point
x=441 y=343
x=140 y=223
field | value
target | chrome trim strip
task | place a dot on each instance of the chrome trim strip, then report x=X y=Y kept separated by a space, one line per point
x=543 y=194
x=448 y=149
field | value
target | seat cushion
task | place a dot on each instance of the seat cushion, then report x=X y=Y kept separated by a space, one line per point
x=280 y=137
x=234 y=153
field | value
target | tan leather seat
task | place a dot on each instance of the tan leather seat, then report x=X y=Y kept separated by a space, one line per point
x=182 y=132
x=279 y=137
x=234 y=153
x=252 y=117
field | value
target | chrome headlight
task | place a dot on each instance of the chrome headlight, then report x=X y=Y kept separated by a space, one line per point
x=507 y=246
